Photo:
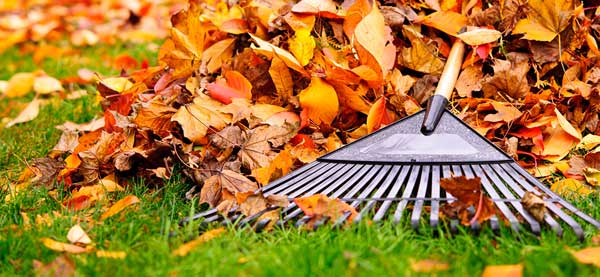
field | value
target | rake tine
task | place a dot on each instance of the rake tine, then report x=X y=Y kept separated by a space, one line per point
x=308 y=178
x=323 y=184
x=447 y=174
x=549 y=192
x=424 y=182
x=380 y=191
x=435 y=194
x=261 y=224
x=393 y=193
x=253 y=217
x=514 y=222
x=197 y=216
x=533 y=224
x=302 y=221
x=407 y=192
x=298 y=172
x=340 y=221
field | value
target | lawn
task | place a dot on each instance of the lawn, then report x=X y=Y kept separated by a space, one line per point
x=149 y=233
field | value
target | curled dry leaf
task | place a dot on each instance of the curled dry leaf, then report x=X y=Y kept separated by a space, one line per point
x=77 y=235
x=184 y=249
x=469 y=193
x=63 y=247
x=120 y=205
x=535 y=205
x=319 y=207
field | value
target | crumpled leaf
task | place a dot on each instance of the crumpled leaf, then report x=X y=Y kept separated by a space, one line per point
x=535 y=205
x=256 y=150
x=469 y=193
x=510 y=78
x=560 y=140
x=271 y=50
x=198 y=117
x=420 y=56
x=547 y=19
x=469 y=80
x=319 y=102
x=186 y=248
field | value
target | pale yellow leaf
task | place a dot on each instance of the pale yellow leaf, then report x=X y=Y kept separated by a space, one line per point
x=19 y=84
x=589 y=142
x=29 y=113
x=77 y=235
x=46 y=85
x=189 y=246
x=111 y=254
x=571 y=187
x=479 y=36
x=370 y=33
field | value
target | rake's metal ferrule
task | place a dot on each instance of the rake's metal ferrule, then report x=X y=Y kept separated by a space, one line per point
x=433 y=114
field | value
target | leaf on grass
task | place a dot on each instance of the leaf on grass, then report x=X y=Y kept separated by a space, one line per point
x=570 y=187
x=111 y=254
x=302 y=46
x=61 y=266
x=320 y=206
x=46 y=85
x=119 y=206
x=535 y=205
x=19 y=85
x=63 y=247
x=319 y=101
x=546 y=20
x=512 y=270
x=428 y=266
x=469 y=193
x=77 y=235
x=28 y=114
x=232 y=85
x=184 y=249
x=590 y=255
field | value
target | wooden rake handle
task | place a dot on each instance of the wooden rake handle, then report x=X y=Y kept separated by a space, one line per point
x=438 y=101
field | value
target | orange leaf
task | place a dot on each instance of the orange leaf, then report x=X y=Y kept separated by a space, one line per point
x=378 y=116
x=448 y=22
x=63 y=247
x=511 y=270
x=320 y=101
x=234 y=85
x=505 y=112
x=590 y=255
x=318 y=206
x=119 y=206
x=547 y=19
x=207 y=236
x=428 y=266
x=78 y=203
x=280 y=74
x=271 y=50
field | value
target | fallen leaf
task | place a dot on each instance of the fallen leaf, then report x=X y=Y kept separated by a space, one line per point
x=111 y=254
x=378 y=116
x=280 y=74
x=319 y=101
x=590 y=255
x=571 y=187
x=119 y=206
x=200 y=116
x=46 y=85
x=448 y=22
x=469 y=193
x=184 y=249
x=320 y=206
x=505 y=112
x=510 y=78
x=19 y=85
x=469 y=80
x=217 y=54
x=513 y=270
x=226 y=184
x=325 y=8
x=77 y=235
x=63 y=247
x=547 y=19
x=271 y=50
x=29 y=113
x=428 y=266
x=302 y=46
x=61 y=266
x=479 y=36
x=232 y=85
x=420 y=56
x=535 y=205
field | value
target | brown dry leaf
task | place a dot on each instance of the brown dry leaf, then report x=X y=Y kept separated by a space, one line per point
x=77 y=235
x=119 y=206
x=28 y=114
x=61 y=266
x=319 y=101
x=590 y=255
x=184 y=249
x=469 y=193
x=535 y=205
x=280 y=74
x=224 y=186
x=479 y=36
x=546 y=20
x=63 y=247
x=428 y=266
x=469 y=80
x=200 y=116
x=570 y=187
x=320 y=206
x=302 y=46
x=111 y=254
x=505 y=112
x=256 y=151
x=512 y=270
x=510 y=78
x=420 y=57
x=155 y=116
x=19 y=85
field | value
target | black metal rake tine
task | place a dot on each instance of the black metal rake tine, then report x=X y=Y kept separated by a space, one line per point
x=380 y=191
x=197 y=216
x=381 y=212
x=407 y=193
x=447 y=173
x=533 y=223
x=435 y=194
x=514 y=222
x=291 y=175
x=314 y=174
x=322 y=182
x=422 y=189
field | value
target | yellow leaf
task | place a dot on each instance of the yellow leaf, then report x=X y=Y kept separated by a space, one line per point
x=547 y=19
x=571 y=187
x=319 y=101
x=116 y=84
x=46 y=85
x=119 y=206
x=302 y=46
x=62 y=247
x=29 y=113
x=280 y=74
x=111 y=254
x=207 y=236
x=19 y=85
x=428 y=266
x=589 y=142
x=97 y=191
x=448 y=22
x=590 y=255
x=511 y=270
x=270 y=50
x=420 y=57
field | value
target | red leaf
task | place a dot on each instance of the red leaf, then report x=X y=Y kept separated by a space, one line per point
x=534 y=134
x=234 y=85
x=304 y=140
x=483 y=51
x=78 y=203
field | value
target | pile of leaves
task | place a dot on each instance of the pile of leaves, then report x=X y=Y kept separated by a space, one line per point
x=246 y=91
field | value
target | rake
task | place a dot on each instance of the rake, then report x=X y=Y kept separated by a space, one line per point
x=396 y=171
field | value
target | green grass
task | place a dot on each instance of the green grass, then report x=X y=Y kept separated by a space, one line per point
x=143 y=231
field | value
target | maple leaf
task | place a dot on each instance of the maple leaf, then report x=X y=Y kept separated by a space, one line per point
x=420 y=56
x=546 y=19
x=256 y=150
x=510 y=77
x=198 y=117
